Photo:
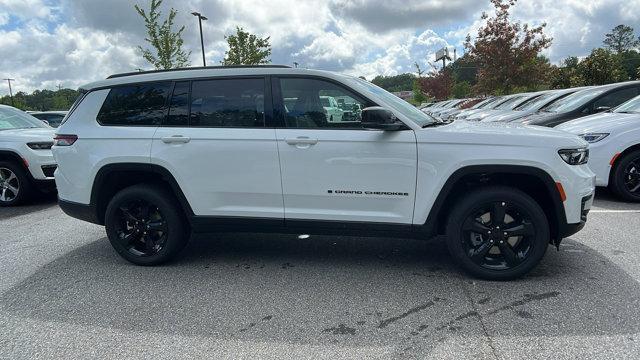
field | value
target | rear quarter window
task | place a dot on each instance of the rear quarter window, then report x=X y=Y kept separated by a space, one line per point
x=135 y=105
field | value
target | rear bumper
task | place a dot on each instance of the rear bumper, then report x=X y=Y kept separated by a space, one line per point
x=79 y=211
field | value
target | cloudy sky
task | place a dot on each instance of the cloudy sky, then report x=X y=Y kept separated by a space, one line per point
x=44 y=43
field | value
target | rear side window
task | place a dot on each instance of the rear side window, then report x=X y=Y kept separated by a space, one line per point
x=227 y=103
x=135 y=105
x=179 y=105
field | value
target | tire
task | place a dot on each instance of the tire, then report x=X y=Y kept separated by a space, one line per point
x=15 y=186
x=479 y=245
x=145 y=225
x=625 y=180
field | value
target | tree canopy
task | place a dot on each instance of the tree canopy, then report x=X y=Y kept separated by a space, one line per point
x=42 y=100
x=246 y=49
x=621 y=39
x=166 y=42
x=506 y=52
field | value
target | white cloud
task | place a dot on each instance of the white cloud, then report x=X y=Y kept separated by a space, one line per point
x=73 y=42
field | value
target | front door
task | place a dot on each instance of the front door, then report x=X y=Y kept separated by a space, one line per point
x=338 y=170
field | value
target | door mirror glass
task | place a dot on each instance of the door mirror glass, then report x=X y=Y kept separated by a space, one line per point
x=376 y=117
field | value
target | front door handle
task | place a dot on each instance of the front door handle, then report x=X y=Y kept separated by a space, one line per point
x=301 y=140
x=176 y=139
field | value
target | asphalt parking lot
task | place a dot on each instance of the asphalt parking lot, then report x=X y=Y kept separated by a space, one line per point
x=65 y=294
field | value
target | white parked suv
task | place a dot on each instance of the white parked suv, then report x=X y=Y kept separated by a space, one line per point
x=614 y=138
x=26 y=162
x=155 y=156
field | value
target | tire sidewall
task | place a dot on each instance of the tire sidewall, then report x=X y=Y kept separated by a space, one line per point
x=177 y=236
x=469 y=204
x=23 y=183
x=619 y=186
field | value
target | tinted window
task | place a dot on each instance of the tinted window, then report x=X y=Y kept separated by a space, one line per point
x=307 y=104
x=135 y=105
x=631 y=106
x=179 y=105
x=227 y=103
x=615 y=98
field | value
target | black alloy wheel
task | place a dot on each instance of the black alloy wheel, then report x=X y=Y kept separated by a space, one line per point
x=497 y=233
x=146 y=225
x=625 y=177
x=141 y=228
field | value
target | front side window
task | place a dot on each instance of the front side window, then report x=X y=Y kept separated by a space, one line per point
x=631 y=106
x=314 y=103
x=227 y=103
x=135 y=105
x=614 y=99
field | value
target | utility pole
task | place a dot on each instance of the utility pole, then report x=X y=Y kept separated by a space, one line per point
x=59 y=87
x=200 y=18
x=10 y=92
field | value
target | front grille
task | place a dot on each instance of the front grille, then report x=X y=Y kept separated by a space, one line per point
x=584 y=212
x=48 y=170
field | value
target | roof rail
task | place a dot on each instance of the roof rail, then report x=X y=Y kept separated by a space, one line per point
x=196 y=68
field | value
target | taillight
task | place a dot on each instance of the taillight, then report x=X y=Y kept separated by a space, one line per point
x=64 y=140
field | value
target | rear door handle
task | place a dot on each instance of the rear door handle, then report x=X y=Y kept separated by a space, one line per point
x=176 y=139
x=301 y=140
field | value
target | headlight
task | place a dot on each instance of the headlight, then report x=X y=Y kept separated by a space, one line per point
x=594 y=137
x=40 y=145
x=574 y=156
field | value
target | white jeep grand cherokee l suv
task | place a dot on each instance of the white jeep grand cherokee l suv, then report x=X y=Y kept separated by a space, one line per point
x=26 y=162
x=155 y=156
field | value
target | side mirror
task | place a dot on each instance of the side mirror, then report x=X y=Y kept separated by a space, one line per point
x=600 y=109
x=376 y=117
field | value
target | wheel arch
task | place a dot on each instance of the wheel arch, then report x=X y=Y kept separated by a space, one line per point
x=536 y=182
x=8 y=155
x=617 y=158
x=112 y=178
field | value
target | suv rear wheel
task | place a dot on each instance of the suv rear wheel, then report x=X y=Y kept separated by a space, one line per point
x=14 y=184
x=145 y=225
x=497 y=233
x=626 y=177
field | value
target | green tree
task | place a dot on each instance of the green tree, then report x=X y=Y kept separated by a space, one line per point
x=461 y=90
x=602 y=67
x=630 y=61
x=402 y=82
x=620 y=39
x=567 y=75
x=246 y=49
x=166 y=42
x=42 y=100
x=506 y=52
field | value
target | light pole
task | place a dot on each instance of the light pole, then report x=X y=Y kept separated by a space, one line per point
x=200 y=18
x=10 y=92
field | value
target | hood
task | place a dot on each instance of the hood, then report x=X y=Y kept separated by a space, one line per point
x=35 y=134
x=496 y=133
x=602 y=123
x=480 y=115
x=508 y=116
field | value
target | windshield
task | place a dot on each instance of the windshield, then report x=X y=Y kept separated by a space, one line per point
x=632 y=106
x=398 y=104
x=510 y=103
x=574 y=100
x=484 y=103
x=11 y=118
x=536 y=102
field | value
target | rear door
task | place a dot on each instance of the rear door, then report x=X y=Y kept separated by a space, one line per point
x=340 y=171
x=215 y=143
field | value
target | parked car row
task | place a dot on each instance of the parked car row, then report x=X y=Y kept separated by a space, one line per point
x=607 y=116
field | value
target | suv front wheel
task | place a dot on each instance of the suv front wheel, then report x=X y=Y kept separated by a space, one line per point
x=497 y=233
x=145 y=225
